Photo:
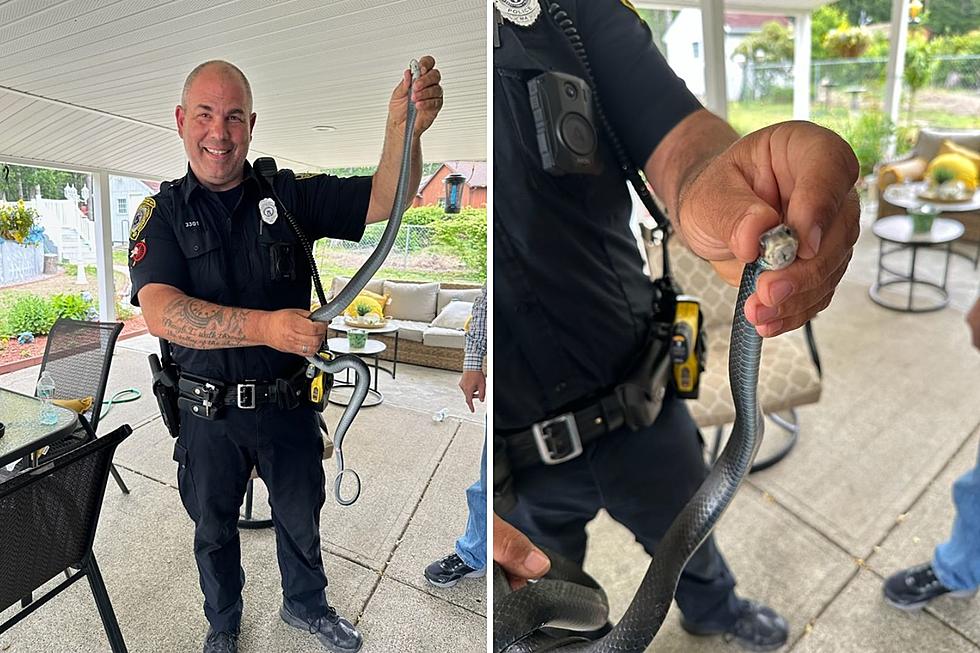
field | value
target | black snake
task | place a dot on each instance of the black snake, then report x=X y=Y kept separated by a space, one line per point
x=567 y=598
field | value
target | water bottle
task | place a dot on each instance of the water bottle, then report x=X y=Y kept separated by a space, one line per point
x=440 y=415
x=45 y=392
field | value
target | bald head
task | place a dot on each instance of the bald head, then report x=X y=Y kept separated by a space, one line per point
x=221 y=68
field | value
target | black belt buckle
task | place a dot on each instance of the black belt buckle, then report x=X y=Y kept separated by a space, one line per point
x=557 y=439
x=245 y=395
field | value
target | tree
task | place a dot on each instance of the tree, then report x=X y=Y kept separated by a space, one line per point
x=19 y=182
x=872 y=11
x=774 y=42
x=952 y=16
x=919 y=66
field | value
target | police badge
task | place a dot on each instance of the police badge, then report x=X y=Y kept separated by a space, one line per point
x=267 y=209
x=519 y=12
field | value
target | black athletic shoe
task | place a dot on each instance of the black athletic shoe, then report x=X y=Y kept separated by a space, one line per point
x=912 y=588
x=223 y=642
x=757 y=628
x=448 y=571
x=334 y=632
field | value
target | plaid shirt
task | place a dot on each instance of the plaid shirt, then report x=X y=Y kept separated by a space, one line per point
x=476 y=335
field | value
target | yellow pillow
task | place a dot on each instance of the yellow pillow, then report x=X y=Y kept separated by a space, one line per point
x=361 y=300
x=383 y=300
x=77 y=405
x=961 y=167
x=949 y=147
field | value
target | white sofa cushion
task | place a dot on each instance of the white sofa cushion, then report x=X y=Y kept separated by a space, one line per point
x=441 y=337
x=338 y=284
x=447 y=295
x=454 y=315
x=410 y=330
x=412 y=301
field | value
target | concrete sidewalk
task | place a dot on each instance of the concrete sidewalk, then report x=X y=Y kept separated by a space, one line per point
x=865 y=493
x=412 y=508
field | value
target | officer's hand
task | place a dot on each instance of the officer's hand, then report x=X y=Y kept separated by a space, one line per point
x=973 y=319
x=291 y=330
x=793 y=172
x=473 y=383
x=426 y=92
x=515 y=553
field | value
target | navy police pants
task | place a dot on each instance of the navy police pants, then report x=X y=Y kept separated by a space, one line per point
x=215 y=459
x=642 y=479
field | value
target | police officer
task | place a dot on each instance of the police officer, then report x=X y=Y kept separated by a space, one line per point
x=573 y=308
x=231 y=291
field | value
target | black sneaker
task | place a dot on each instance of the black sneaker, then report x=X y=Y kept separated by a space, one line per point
x=912 y=588
x=334 y=632
x=223 y=642
x=757 y=628
x=448 y=571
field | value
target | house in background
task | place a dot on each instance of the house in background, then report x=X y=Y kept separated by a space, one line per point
x=684 y=41
x=432 y=189
x=126 y=194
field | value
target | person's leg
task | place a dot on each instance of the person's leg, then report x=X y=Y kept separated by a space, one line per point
x=957 y=561
x=554 y=503
x=212 y=474
x=290 y=462
x=646 y=478
x=471 y=547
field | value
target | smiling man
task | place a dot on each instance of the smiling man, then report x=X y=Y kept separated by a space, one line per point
x=226 y=281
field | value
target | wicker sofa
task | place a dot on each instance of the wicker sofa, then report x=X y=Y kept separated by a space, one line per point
x=913 y=167
x=412 y=309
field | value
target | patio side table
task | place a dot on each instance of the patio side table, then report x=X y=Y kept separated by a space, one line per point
x=371 y=348
x=897 y=229
x=907 y=196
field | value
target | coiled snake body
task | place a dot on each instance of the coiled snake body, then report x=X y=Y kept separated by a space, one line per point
x=569 y=599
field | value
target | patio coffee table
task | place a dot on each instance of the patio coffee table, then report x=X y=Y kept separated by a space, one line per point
x=24 y=433
x=371 y=348
x=897 y=229
x=339 y=325
x=907 y=197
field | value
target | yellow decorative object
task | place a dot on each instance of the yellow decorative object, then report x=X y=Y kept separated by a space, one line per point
x=364 y=305
x=949 y=147
x=960 y=167
x=78 y=405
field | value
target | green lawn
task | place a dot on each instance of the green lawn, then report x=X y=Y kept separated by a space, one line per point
x=328 y=271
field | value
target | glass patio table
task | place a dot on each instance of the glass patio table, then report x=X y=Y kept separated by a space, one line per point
x=24 y=433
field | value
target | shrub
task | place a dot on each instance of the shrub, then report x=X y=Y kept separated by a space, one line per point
x=30 y=313
x=72 y=307
x=465 y=235
x=866 y=135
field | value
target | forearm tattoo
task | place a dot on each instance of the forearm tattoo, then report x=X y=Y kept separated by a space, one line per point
x=201 y=325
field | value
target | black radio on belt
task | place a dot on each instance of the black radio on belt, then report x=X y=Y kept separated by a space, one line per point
x=565 y=125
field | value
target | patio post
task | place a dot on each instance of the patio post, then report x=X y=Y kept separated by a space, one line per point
x=896 y=65
x=802 y=47
x=101 y=205
x=713 y=34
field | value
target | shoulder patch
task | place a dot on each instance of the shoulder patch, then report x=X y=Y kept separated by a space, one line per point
x=308 y=175
x=142 y=216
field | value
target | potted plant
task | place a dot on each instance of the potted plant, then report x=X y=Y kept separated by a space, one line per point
x=922 y=218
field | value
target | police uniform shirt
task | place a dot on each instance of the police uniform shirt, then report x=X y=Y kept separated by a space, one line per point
x=185 y=237
x=572 y=305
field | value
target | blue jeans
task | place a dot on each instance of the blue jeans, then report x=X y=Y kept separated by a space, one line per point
x=472 y=546
x=957 y=561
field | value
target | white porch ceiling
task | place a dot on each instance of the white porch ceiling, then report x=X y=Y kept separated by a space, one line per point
x=92 y=84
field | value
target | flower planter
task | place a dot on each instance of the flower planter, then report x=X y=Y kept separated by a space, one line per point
x=20 y=262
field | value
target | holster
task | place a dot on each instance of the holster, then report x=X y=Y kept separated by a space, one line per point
x=164 y=386
x=642 y=393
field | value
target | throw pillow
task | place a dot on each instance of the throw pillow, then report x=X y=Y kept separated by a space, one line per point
x=960 y=167
x=412 y=301
x=454 y=316
x=949 y=147
x=447 y=295
x=366 y=305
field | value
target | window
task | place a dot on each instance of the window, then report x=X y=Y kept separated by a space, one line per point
x=121 y=206
x=697 y=49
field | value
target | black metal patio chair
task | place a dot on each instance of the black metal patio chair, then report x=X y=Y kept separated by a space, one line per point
x=49 y=516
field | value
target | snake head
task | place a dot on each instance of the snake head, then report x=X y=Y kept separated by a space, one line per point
x=777 y=248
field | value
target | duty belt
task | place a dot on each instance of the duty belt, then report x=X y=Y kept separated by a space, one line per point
x=562 y=438
x=205 y=397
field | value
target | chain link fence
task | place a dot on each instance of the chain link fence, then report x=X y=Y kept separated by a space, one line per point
x=415 y=250
x=954 y=85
